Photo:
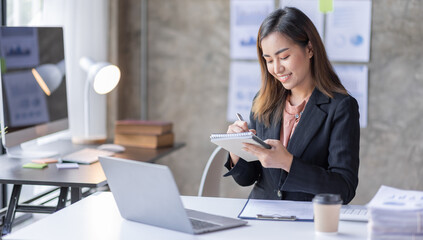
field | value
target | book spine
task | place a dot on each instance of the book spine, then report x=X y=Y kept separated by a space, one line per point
x=142 y=129
x=147 y=141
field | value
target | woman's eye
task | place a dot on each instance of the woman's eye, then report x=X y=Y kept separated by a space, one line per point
x=268 y=62
x=284 y=58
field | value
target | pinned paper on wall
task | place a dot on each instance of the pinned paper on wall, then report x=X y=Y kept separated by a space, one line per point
x=246 y=17
x=346 y=37
x=355 y=80
x=348 y=27
x=244 y=84
x=309 y=8
x=325 y=6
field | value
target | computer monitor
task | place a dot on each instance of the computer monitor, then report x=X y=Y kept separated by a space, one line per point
x=33 y=84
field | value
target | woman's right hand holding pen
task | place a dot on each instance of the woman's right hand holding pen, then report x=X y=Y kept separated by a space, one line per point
x=238 y=126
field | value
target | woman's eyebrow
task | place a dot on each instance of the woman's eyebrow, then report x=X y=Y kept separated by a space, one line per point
x=282 y=50
x=277 y=52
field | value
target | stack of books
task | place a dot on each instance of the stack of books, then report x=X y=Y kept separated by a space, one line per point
x=147 y=134
x=396 y=214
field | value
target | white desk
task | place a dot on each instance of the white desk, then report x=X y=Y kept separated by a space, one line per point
x=97 y=217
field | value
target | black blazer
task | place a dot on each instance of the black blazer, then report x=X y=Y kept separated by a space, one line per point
x=325 y=146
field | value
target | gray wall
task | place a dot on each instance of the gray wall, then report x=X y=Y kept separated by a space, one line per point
x=188 y=71
x=392 y=145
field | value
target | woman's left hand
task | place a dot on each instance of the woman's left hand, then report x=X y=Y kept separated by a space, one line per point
x=275 y=157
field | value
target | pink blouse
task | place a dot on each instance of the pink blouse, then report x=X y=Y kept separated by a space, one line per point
x=291 y=117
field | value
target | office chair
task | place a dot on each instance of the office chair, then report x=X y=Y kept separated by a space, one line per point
x=213 y=174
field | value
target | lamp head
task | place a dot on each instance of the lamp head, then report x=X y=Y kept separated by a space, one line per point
x=106 y=79
x=103 y=76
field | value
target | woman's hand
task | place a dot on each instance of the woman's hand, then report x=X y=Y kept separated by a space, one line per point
x=238 y=127
x=275 y=157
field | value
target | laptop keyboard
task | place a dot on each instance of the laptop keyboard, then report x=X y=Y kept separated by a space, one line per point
x=354 y=213
x=200 y=224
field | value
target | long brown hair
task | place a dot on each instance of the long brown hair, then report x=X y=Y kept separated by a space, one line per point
x=294 y=24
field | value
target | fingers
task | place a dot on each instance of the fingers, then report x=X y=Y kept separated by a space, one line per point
x=253 y=131
x=253 y=149
x=273 y=142
x=238 y=127
x=243 y=125
x=275 y=157
x=261 y=153
x=264 y=155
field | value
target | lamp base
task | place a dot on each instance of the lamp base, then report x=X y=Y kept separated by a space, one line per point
x=89 y=140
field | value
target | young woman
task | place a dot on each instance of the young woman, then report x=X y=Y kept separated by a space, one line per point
x=303 y=112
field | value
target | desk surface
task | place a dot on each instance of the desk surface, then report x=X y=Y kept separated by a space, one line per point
x=11 y=171
x=97 y=217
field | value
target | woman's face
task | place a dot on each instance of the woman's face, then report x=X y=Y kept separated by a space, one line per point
x=287 y=61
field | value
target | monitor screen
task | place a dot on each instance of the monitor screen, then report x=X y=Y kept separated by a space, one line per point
x=33 y=82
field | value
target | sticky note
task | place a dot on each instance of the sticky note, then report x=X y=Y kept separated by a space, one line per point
x=325 y=6
x=66 y=165
x=3 y=65
x=45 y=160
x=35 y=165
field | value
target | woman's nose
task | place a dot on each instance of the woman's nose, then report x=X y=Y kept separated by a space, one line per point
x=278 y=67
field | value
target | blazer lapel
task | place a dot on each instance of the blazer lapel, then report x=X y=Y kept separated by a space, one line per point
x=311 y=120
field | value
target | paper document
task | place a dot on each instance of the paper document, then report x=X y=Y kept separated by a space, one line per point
x=396 y=214
x=244 y=83
x=309 y=8
x=348 y=31
x=277 y=210
x=355 y=80
x=246 y=17
x=389 y=198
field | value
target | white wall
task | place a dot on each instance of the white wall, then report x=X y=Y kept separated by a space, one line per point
x=85 y=25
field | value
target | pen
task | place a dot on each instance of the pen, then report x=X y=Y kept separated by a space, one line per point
x=276 y=217
x=239 y=117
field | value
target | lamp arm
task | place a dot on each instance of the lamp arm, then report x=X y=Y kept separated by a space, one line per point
x=87 y=108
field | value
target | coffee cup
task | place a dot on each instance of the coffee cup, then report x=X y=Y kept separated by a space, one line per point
x=326 y=209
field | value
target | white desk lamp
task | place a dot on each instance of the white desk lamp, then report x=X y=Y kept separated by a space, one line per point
x=103 y=77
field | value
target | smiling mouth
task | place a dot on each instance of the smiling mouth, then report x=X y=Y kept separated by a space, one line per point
x=285 y=77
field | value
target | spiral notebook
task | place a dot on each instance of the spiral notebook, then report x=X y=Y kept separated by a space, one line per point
x=232 y=142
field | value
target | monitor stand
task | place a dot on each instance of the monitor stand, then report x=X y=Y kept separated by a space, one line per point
x=49 y=146
x=33 y=154
x=31 y=150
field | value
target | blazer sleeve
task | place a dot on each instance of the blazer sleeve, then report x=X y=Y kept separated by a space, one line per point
x=341 y=176
x=244 y=173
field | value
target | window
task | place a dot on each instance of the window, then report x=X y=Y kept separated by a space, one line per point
x=23 y=12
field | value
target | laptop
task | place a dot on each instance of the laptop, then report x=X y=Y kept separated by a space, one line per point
x=147 y=193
